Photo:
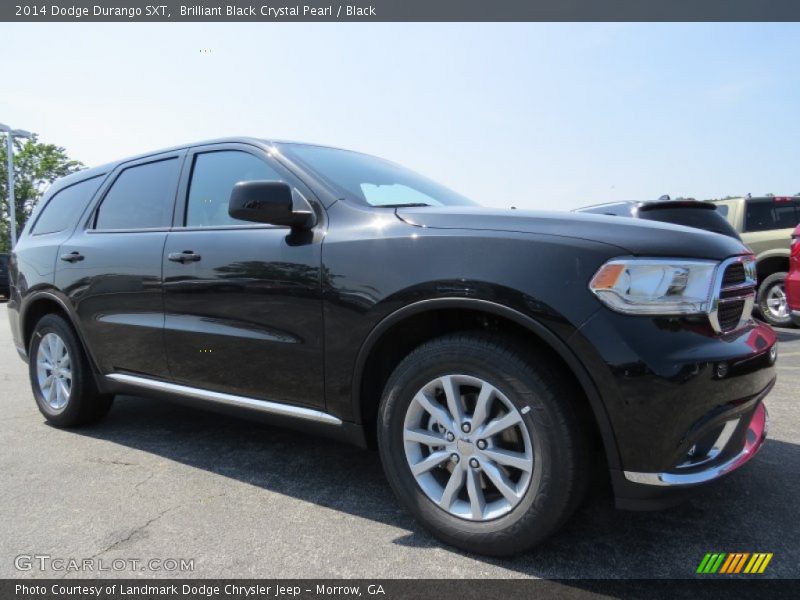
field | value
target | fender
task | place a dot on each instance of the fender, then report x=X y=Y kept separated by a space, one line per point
x=54 y=295
x=546 y=335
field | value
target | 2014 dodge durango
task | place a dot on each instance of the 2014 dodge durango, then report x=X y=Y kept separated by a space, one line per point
x=494 y=357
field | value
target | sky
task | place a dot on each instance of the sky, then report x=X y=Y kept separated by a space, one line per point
x=544 y=116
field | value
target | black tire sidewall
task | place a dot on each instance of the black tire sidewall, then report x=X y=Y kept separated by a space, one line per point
x=540 y=510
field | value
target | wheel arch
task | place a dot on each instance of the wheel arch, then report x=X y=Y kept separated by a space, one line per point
x=771 y=262
x=45 y=302
x=370 y=375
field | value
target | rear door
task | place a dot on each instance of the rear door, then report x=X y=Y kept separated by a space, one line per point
x=111 y=266
x=243 y=300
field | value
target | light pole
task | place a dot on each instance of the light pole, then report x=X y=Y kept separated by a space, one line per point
x=12 y=205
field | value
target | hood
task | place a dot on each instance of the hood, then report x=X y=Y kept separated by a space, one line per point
x=633 y=236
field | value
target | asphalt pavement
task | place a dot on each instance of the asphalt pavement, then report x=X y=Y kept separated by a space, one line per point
x=241 y=499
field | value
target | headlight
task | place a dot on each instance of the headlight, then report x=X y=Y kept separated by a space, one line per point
x=656 y=286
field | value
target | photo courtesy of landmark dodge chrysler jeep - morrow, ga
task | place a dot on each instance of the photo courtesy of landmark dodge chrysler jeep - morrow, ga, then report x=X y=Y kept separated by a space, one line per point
x=494 y=357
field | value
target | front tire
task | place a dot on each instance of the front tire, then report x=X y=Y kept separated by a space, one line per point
x=772 y=301
x=482 y=443
x=61 y=377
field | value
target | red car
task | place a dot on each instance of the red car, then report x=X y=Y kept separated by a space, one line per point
x=793 y=278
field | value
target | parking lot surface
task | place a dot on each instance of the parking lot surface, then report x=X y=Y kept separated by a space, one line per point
x=240 y=499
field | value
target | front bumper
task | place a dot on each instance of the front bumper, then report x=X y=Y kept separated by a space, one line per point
x=755 y=434
x=684 y=403
x=647 y=491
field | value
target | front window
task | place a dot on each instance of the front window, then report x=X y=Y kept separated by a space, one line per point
x=370 y=180
x=213 y=177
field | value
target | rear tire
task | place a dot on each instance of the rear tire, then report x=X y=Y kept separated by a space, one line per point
x=61 y=377
x=772 y=301
x=526 y=389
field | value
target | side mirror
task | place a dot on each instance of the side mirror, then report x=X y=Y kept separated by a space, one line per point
x=270 y=202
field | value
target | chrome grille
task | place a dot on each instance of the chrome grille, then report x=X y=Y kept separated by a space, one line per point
x=733 y=275
x=735 y=293
x=730 y=313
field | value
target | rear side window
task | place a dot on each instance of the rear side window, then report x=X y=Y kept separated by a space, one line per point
x=63 y=209
x=763 y=215
x=723 y=210
x=141 y=197
x=213 y=177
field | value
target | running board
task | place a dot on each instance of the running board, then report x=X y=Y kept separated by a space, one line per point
x=265 y=406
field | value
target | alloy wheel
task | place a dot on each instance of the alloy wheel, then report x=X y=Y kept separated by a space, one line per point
x=54 y=371
x=468 y=447
x=777 y=303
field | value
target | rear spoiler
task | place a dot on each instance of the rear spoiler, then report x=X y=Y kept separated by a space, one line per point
x=701 y=204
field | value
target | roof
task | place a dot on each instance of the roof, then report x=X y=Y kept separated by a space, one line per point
x=109 y=166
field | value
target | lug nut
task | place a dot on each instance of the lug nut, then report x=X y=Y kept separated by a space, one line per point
x=465 y=428
x=473 y=462
x=454 y=458
x=482 y=444
x=450 y=437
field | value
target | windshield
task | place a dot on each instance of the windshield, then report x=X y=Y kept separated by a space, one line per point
x=371 y=180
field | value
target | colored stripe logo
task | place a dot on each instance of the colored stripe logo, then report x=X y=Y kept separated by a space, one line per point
x=735 y=562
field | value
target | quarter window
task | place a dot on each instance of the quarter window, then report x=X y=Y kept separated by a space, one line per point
x=213 y=177
x=141 y=197
x=63 y=209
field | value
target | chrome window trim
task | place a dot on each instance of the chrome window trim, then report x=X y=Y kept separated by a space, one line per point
x=266 y=406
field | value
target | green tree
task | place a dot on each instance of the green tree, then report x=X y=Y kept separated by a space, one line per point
x=36 y=166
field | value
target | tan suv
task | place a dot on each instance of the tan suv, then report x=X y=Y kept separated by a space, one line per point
x=766 y=224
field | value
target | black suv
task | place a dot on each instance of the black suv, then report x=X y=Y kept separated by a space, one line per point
x=494 y=357
x=4 y=285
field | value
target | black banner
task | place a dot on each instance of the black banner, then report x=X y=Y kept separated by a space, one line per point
x=392 y=589
x=401 y=10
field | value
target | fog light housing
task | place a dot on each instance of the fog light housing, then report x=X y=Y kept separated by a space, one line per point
x=722 y=370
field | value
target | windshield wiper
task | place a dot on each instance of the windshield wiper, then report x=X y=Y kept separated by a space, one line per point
x=409 y=205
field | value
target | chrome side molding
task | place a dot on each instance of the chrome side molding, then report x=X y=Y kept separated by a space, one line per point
x=265 y=406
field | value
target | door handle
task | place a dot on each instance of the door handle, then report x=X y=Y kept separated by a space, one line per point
x=72 y=257
x=184 y=257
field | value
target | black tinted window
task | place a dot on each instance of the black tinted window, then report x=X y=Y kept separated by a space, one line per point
x=785 y=215
x=764 y=215
x=141 y=197
x=63 y=209
x=213 y=177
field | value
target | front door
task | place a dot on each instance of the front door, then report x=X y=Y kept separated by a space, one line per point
x=242 y=300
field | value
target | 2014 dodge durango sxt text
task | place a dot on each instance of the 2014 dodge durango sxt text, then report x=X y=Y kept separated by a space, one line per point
x=494 y=357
